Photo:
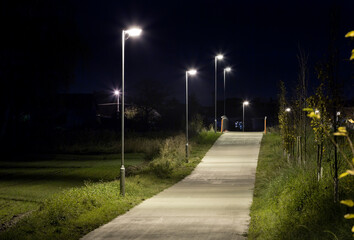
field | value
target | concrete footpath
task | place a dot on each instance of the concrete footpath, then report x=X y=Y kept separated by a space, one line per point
x=211 y=203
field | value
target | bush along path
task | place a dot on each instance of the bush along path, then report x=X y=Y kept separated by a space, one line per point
x=74 y=212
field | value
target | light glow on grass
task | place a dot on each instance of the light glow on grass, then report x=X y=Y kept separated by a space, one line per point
x=73 y=212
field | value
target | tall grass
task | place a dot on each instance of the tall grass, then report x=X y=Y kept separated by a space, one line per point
x=171 y=156
x=172 y=153
x=131 y=145
x=290 y=203
x=101 y=142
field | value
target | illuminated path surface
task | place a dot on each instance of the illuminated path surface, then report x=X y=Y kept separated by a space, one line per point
x=211 y=203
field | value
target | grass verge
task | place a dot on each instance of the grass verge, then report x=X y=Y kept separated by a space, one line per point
x=76 y=211
x=289 y=202
x=24 y=185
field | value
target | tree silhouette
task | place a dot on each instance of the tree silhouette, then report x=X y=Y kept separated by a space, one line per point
x=149 y=100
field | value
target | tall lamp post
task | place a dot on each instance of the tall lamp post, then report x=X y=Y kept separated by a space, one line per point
x=133 y=32
x=228 y=69
x=189 y=72
x=243 y=114
x=116 y=92
x=217 y=57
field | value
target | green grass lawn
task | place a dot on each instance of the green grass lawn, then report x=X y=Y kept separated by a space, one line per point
x=24 y=185
x=67 y=208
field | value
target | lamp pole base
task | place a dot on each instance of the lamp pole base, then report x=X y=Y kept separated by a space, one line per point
x=122 y=181
x=187 y=153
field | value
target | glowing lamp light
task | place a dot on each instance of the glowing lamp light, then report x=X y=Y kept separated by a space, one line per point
x=192 y=72
x=228 y=69
x=219 y=56
x=116 y=92
x=134 y=32
x=287 y=109
x=245 y=103
x=317 y=112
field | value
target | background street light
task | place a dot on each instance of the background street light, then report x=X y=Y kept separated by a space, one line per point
x=228 y=69
x=287 y=109
x=116 y=92
x=217 y=57
x=189 y=72
x=243 y=114
x=133 y=32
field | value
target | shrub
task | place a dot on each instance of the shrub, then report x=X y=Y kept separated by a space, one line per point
x=206 y=137
x=171 y=155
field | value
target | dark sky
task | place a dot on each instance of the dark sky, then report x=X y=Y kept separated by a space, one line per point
x=259 y=40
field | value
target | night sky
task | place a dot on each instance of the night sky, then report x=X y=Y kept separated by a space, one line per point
x=259 y=39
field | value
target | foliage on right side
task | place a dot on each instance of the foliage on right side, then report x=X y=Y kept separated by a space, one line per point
x=290 y=203
x=300 y=190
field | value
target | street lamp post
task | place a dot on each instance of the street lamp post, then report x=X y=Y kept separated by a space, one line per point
x=189 y=72
x=228 y=69
x=243 y=114
x=116 y=92
x=217 y=57
x=133 y=32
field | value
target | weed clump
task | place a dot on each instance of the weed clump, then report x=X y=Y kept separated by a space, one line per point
x=171 y=155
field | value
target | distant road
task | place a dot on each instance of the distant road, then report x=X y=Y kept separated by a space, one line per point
x=211 y=203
